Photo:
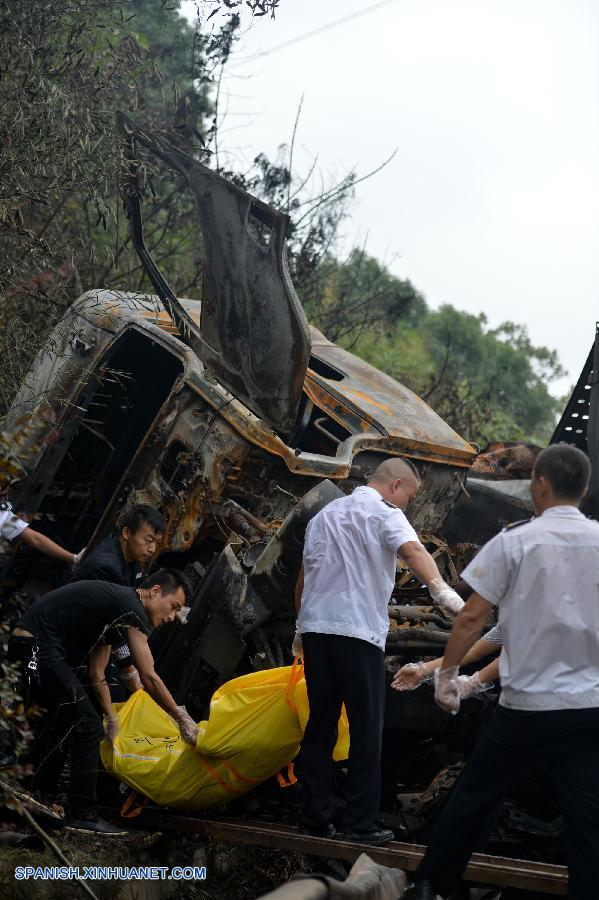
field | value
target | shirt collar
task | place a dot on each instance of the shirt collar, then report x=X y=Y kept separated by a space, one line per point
x=371 y=490
x=365 y=487
x=571 y=511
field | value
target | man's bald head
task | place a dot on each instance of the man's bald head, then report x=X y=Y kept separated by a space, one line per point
x=390 y=469
x=396 y=480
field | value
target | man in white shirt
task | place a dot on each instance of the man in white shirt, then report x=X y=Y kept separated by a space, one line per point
x=543 y=576
x=349 y=569
x=11 y=527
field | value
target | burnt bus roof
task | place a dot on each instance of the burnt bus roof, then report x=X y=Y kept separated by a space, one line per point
x=378 y=412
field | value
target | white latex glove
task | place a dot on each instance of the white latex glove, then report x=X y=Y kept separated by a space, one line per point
x=183 y=614
x=131 y=678
x=447 y=694
x=411 y=676
x=77 y=557
x=296 y=647
x=112 y=728
x=187 y=727
x=471 y=684
x=445 y=597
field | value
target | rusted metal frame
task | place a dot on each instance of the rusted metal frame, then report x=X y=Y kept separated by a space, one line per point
x=399 y=636
x=351 y=417
x=340 y=409
x=496 y=870
x=255 y=522
x=102 y=524
x=68 y=423
x=250 y=427
x=415 y=647
x=582 y=391
x=210 y=342
x=320 y=427
x=181 y=353
x=592 y=449
x=417 y=614
x=131 y=192
x=299 y=462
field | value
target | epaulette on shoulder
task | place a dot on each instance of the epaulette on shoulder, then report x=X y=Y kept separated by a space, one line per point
x=517 y=524
x=5 y=506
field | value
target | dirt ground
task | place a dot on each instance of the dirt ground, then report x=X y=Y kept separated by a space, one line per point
x=233 y=872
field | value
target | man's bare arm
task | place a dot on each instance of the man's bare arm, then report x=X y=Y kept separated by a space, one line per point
x=98 y=661
x=44 y=545
x=97 y=675
x=156 y=688
x=130 y=676
x=151 y=681
x=419 y=560
x=466 y=629
x=424 y=567
x=412 y=675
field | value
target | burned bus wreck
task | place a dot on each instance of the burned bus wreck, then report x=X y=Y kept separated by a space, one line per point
x=233 y=416
x=239 y=422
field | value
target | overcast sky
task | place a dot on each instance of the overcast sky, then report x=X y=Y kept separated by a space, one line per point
x=492 y=200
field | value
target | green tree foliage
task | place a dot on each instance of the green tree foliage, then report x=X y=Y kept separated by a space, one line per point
x=348 y=299
x=488 y=384
x=67 y=68
x=73 y=65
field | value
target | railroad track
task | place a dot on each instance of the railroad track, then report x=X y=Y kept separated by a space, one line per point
x=500 y=871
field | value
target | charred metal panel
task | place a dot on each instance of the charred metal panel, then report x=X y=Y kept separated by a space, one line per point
x=387 y=405
x=254 y=334
x=591 y=505
x=579 y=424
x=183 y=466
x=275 y=573
x=481 y=514
x=573 y=426
x=440 y=489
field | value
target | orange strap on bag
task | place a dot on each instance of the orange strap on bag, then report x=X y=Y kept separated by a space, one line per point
x=291 y=778
x=129 y=809
x=297 y=670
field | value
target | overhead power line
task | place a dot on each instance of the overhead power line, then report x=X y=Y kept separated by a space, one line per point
x=314 y=32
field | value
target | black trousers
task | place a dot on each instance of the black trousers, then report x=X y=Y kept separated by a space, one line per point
x=516 y=743
x=72 y=723
x=342 y=670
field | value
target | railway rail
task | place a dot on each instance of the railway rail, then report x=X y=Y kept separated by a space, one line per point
x=499 y=871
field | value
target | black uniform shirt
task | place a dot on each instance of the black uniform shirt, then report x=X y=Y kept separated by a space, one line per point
x=73 y=619
x=107 y=563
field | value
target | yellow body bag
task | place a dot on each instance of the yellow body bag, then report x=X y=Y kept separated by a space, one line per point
x=254 y=729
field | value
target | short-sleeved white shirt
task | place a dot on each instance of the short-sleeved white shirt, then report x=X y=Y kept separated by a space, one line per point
x=493 y=635
x=544 y=578
x=350 y=555
x=10 y=525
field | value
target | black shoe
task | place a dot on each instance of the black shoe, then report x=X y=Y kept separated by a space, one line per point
x=96 y=825
x=419 y=890
x=376 y=838
x=323 y=831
